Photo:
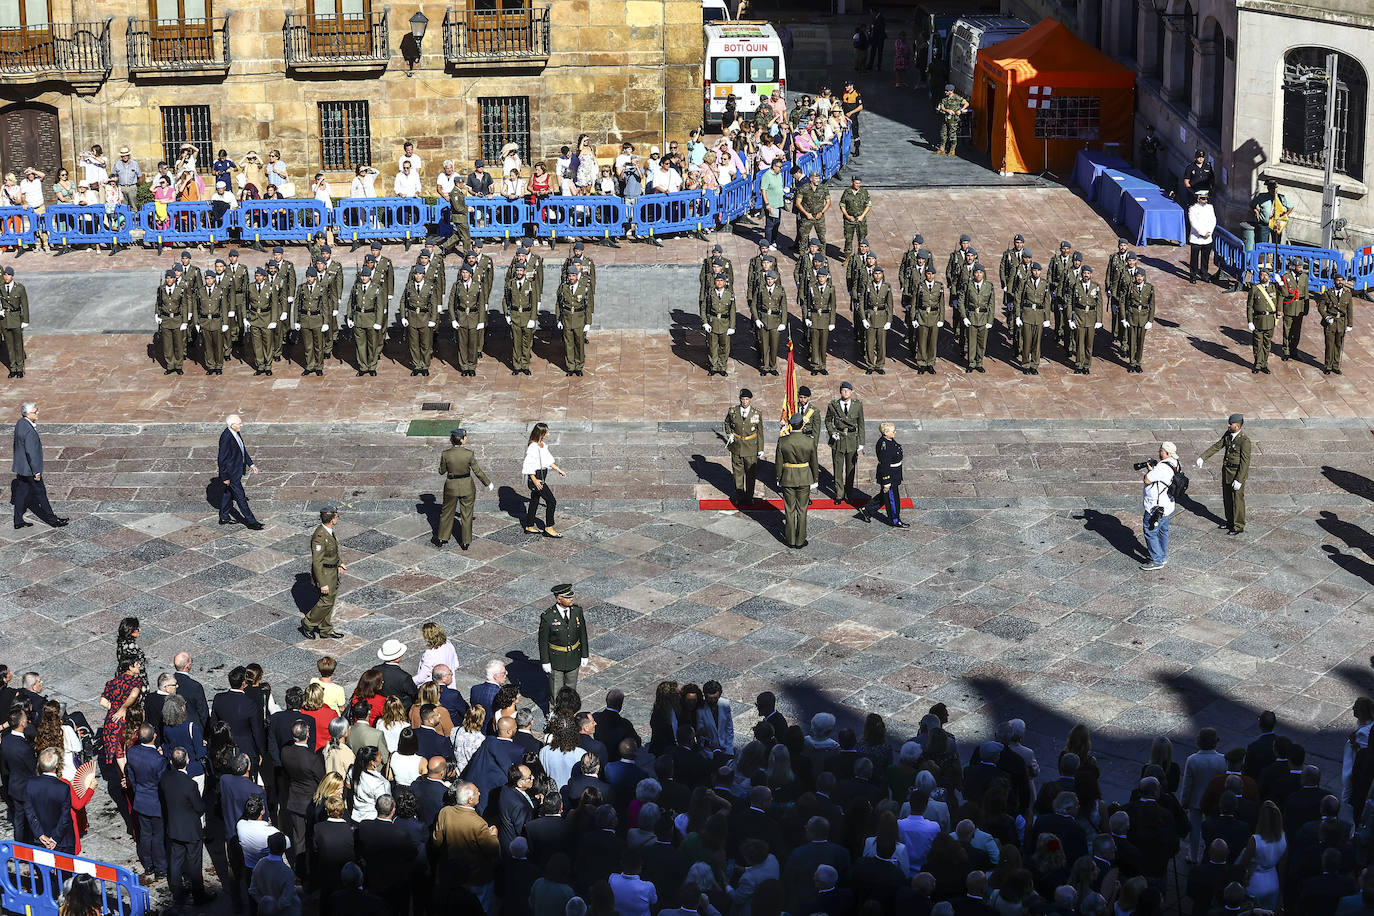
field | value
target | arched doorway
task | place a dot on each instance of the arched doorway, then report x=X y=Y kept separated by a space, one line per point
x=32 y=137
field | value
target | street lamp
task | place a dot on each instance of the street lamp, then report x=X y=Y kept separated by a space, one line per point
x=418 y=24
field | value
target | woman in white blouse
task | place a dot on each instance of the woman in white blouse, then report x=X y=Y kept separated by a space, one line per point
x=538 y=462
x=438 y=651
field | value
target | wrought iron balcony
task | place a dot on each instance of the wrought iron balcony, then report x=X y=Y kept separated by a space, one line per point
x=178 y=45
x=347 y=42
x=499 y=37
x=74 y=52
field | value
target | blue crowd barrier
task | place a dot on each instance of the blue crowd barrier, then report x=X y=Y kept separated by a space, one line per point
x=191 y=222
x=810 y=164
x=1323 y=264
x=756 y=195
x=1362 y=269
x=830 y=160
x=289 y=220
x=684 y=211
x=18 y=227
x=584 y=215
x=366 y=218
x=1230 y=254
x=31 y=881
x=846 y=146
x=734 y=200
x=75 y=224
x=496 y=218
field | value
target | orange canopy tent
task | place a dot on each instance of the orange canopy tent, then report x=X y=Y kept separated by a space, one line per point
x=1046 y=94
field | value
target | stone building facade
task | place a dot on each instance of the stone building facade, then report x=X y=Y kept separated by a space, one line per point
x=336 y=83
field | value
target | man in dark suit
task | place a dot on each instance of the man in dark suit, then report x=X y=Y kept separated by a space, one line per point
x=331 y=848
x=665 y=865
x=690 y=767
x=30 y=490
x=754 y=822
x=234 y=790
x=427 y=738
x=449 y=698
x=586 y=774
x=1260 y=752
x=351 y=899
x=387 y=854
x=624 y=774
x=586 y=738
x=143 y=768
x=599 y=851
x=396 y=681
x=190 y=689
x=19 y=764
x=48 y=805
x=1063 y=823
x=281 y=723
x=152 y=702
x=611 y=727
x=515 y=877
x=828 y=899
x=244 y=718
x=550 y=832
x=234 y=464
x=493 y=760
x=1321 y=894
x=304 y=771
x=860 y=785
x=184 y=807
x=767 y=705
x=482 y=694
x=1227 y=827
x=524 y=732
x=31 y=697
x=1304 y=803
x=430 y=790
x=516 y=808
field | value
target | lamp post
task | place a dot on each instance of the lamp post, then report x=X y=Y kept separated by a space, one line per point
x=418 y=24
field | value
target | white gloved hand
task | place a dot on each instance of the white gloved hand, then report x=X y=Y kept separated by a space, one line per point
x=1098 y=326
x=1326 y=321
x=860 y=448
x=232 y=315
x=530 y=325
x=967 y=323
x=584 y=663
x=455 y=324
x=431 y=324
x=939 y=324
x=271 y=325
x=183 y=325
x=1073 y=325
x=290 y=299
x=729 y=438
x=1045 y=325
x=324 y=328
x=830 y=327
x=560 y=325
x=782 y=327
x=490 y=487
x=834 y=437
x=508 y=321
x=547 y=668
x=758 y=321
x=760 y=454
x=1235 y=485
x=350 y=322
x=296 y=326
x=1199 y=462
x=481 y=325
x=730 y=332
x=405 y=322
x=224 y=329
x=988 y=326
x=1018 y=322
x=808 y=322
x=887 y=326
x=376 y=327
x=283 y=317
x=1149 y=324
x=1251 y=325
x=866 y=324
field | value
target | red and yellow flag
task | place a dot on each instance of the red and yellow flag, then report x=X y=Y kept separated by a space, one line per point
x=789 y=394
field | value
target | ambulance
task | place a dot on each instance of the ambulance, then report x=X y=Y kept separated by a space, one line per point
x=743 y=58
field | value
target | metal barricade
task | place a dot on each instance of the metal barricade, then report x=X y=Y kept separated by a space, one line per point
x=31 y=881
x=684 y=211
x=588 y=216
x=365 y=218
x=192 y=222
x=1230 y=254
x=18 y=227
x=281 y=220
x=734 y=200
x=74 y=224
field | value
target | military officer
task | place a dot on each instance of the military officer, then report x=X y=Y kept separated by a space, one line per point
x=382 y=272
x=708 y=262
x=754 y=278
x=587 y=266
x=978 y=313
x=1337 y=308
x=910 y=272
x=1116 y=266
x=486 y=270
x=1032 y=318
x=927 y=316
x=468 y=315
x=1261 y=310
x=1125 y=279
x=332 y=278
x=1085 y=319
x=172 y=319
x=211 y=322
x=949 y=109
x=260 y=318
x=818 y=312
x=14 y=317
x=716 y=268
x=313 y=246
x=803 y=272
x=718 y=321
x=461 y=238
x=854 y=207
x=811 y=428
x=1295 y=305
x=1019 y=278
x=844 y=424
x=1006 y=270
x=770 y=318
x=563 y=645
x=191 y=274
x=796 y=477
x=859 y=275
x=420 y=315
x=1060 y=275
x=1065 y=292
x=520 y=305
x=286 y=282
x=324 y=573
x=312 y=320
x=811 y=202
x=459 y=465
x=1139 y=305
x=367 y=312
x=744 y=437
x=877 y=320
x=1235 y=470
x=283 y=319
x=576 y=304
x=236 y=280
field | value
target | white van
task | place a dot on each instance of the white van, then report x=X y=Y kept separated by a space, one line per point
x=714 y=11
x=971 y=34
x=743 y=58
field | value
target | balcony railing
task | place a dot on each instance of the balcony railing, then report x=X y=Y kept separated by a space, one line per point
x=178 y=45
x=359 y=38
x=512 y=36
x=75 y=51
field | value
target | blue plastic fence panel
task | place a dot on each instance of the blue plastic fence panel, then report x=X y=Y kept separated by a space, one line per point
x=496 y=218
x=190 y=222
x=282 y=220
x=18 y=227
x=72 y=224
x=1230 y=253
x=394 y=218
x=31 y=881
x=684 y=211
x=585 y=215
x=734 y=200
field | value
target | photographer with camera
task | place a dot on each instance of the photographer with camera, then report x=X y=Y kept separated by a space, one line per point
x=1158 y=503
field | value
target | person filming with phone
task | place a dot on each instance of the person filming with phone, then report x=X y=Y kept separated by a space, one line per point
x=1158 y=503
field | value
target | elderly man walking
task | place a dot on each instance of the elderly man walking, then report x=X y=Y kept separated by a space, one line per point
x=234 y=464
x=30 y=490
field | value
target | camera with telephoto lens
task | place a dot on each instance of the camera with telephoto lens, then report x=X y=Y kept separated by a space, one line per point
x=1145 y=465
x=1156 y=516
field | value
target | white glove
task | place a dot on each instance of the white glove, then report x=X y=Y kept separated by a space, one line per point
x=296 y=326
x=547 y=668
x=283 y=315
x=782 y=327
x=1045 y=325
x=183 y=325
x=1098 y=326
x=507 y=319
x=1199 y=462
x=490 y=487
x=830 y=328
x=887 y=326
x=758 y=321
x=224 y=329
x=988 y=326
x=560 y=325
x=939 y=324
x=1235 y=485
x=729 y=438
x=834 y=437
x=1018 y=322
x=760 y=454
x=586 y=332
x=530 y=325
x=454 y=323
x=1324 y=321
x=1251 y=325
x=376 y=327
x=324 y=328
x=405 y=322
x=481 y=325
x=1149 y=324
x=967 y=323
x=866 y=324
x=271 y=325
x=431 y=324
x=1073 y=326
x=808 y=322
x=350 y=322
x=859 y=449
x=232 y=315
x=730 y=332
x=584 y=663
x=290 y=299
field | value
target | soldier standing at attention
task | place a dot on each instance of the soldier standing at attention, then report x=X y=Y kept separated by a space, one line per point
x=1019 y=278
x=1032 y=318
x=210 y=322
x=311 y=322
x=950 y=108
x=1085 y=318
x=418 y=315
x=792 y=464
x=718 y=321
x=1235 y=470
x=282 y=311
x=770 y=318
x=844 y=424
x=1261 y=309
x=172 y=319
x=485 y=275
x=460 y=239
x=759 y=265
x=810 y=429
x=1116 y=266
x=811 y=203
x=954 y=282
x=745 y=438
x=1140 y=317
x=877 y=303
x=563 y=645
x=977 y=317
x=467 y=313
x=521 y=307
x=286 y=297
x=236 y=282
x=1295 y=306
x=458 y=465
x=260 y=320
x=324 y=572
x=1060 y=276
x=1066 y=295
x=382 y=272
x=332 y=278
x=803 y=272
x=576 y=303
x=854 y=207
x=818 y=312
x=909 y=273
x=1337 y=308
x=1006 y=270
x=367 y=312
x=1125 y=279
x=717 y=258
x=926 y=315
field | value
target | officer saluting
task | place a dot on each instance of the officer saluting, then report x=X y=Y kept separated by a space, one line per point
x=324 y=572
x=563 y=648
x=792 y=464
x=458 y=465
x=1235 y=469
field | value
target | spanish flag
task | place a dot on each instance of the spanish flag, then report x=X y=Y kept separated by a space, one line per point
x=789 y=395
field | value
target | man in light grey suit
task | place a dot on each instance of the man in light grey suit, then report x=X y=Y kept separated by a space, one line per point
x=30 y=490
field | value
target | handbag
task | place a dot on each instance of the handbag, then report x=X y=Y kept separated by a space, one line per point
x=287 y=189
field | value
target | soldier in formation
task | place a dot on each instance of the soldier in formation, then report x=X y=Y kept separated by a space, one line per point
x=1337 y=308
x=744 y=437
x=1261 y=310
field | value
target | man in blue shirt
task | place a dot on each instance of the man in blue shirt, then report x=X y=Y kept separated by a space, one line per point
x=224 y=169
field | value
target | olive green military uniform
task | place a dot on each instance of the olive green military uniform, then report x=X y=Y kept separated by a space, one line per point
x=1235 y=466
x=521 y=307
x=1085 y=314
x=1295 y=305
x=459 y=465
x=846 y=431
x=367 y=310
x=811 y=429
x=813 y=201
x=461 y=239
x=705 y=280
x=576 y=305
x=1019 y=277
x=1111 y=288
x=948 y=109
x=854 y=206
x=563 y=645
x=420 y=310
x=718 y=318
x=324 y=573
x=792 y=464
x=1119 y=294
x=1261 y=311
x=856 y=278
x=877 y=312
x=259 y=312
x=1337 y=308
x=333 y=281
x=754 y=279
x=312 y=307
x=1060 y=275
x=486 y=276
x=210 y=322
x=1033 y=313
x=468 y=311
x=285 y=282
x=745 y=439
x=770 y=317
x=1006 y=273
x=1139 y=304
x=909 y=273
x=979 y=312
x=819 y=316
x=235 y=280
x=14 y=314
x=172 y=314
x=926 y=314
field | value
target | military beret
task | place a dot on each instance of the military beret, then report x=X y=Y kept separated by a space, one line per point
x=376 y=246
x=219 y=261
x=979 y=268
x=1065 y=245
x=579 y=246
x=863 y=241
x=924 y=254
x=177 y=267
x=186 y=255
x=871 y=255
x=259 y=272
x=844 y=385
x=972 y=251
x=1087 y=270
x=525 y=243
x=763 y=245
x=1140 y=272
x=930 y=269
x=814 y=241
x=417 y=271
x=917 y=239
x=562 y=591
x=1077 y=256
x=770 y=275
x=1026 y=253
x=166 y=274
x=465 y=268
x=325 y=249
x=365 y=272
x=1132 y=256
x=319 y=259
x=803 y=392
x=949 y=87
x=1122 y=242
x=797 y=421
x=476 y=243
x=574 y=268
x=1236 y=418
x=422 y=253
x=1018 y=237
x=369 y=258
x=745 y=393
x=769 y=259
x=1036 y=266
x=270 y=265
x=327 y=511
x=1198 y=153
x=458 y=433
x=965 y=238
x=233 y=252
x=471 y=253
x=276 y=249
x=716 y=249
x=717 y=262
x=823 y=273
x=575 y=259
x=818 y=259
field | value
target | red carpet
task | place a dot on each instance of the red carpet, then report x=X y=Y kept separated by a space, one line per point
x=775 y=505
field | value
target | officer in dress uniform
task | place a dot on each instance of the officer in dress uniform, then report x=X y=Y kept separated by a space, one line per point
x=420 y=314
x=1295 y=305
x=237 y=294
x=770 y=319
x=909 y=273
x=818 y=312
x=718 y=321
x=1085 y=318
x=1125 y=280
x=576 y=303
x=792 y=465
x=211 y=321
x=744 y=437
x=844 y=424
x=286 y=284
x=324 y=573
x=259 y=316
x=172 y=319
x=520 y=305
x=1032 y=318
x=468 y=315
x=367 y=313
x=282 y=316
x=1060 y=275
x=1337 y=308
x=311 y=321
x=1235 y=470
x=1006 y=269
x=1019 y=277
x=1261 y=310
x=459 y=465
x=563 y=645
x=977 y=317
x=486 y=271
x=717 y=258
x=759 y=265
x=1139 y=302
x=461 y=239
x=811 y=428
x=1116 y=266
x=926 y=315
x=332 y=278
x=382 y=272
x=877 y=320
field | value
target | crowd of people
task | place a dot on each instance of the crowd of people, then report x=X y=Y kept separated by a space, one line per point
x=408 y=794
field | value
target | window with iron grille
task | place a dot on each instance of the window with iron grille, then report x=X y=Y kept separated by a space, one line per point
x=1066 y=117
x=504 y=120
x=345 y=136
x=1304 y=111
x=187 y=124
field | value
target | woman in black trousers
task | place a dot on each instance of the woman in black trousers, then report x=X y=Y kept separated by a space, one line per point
x=538 y=462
